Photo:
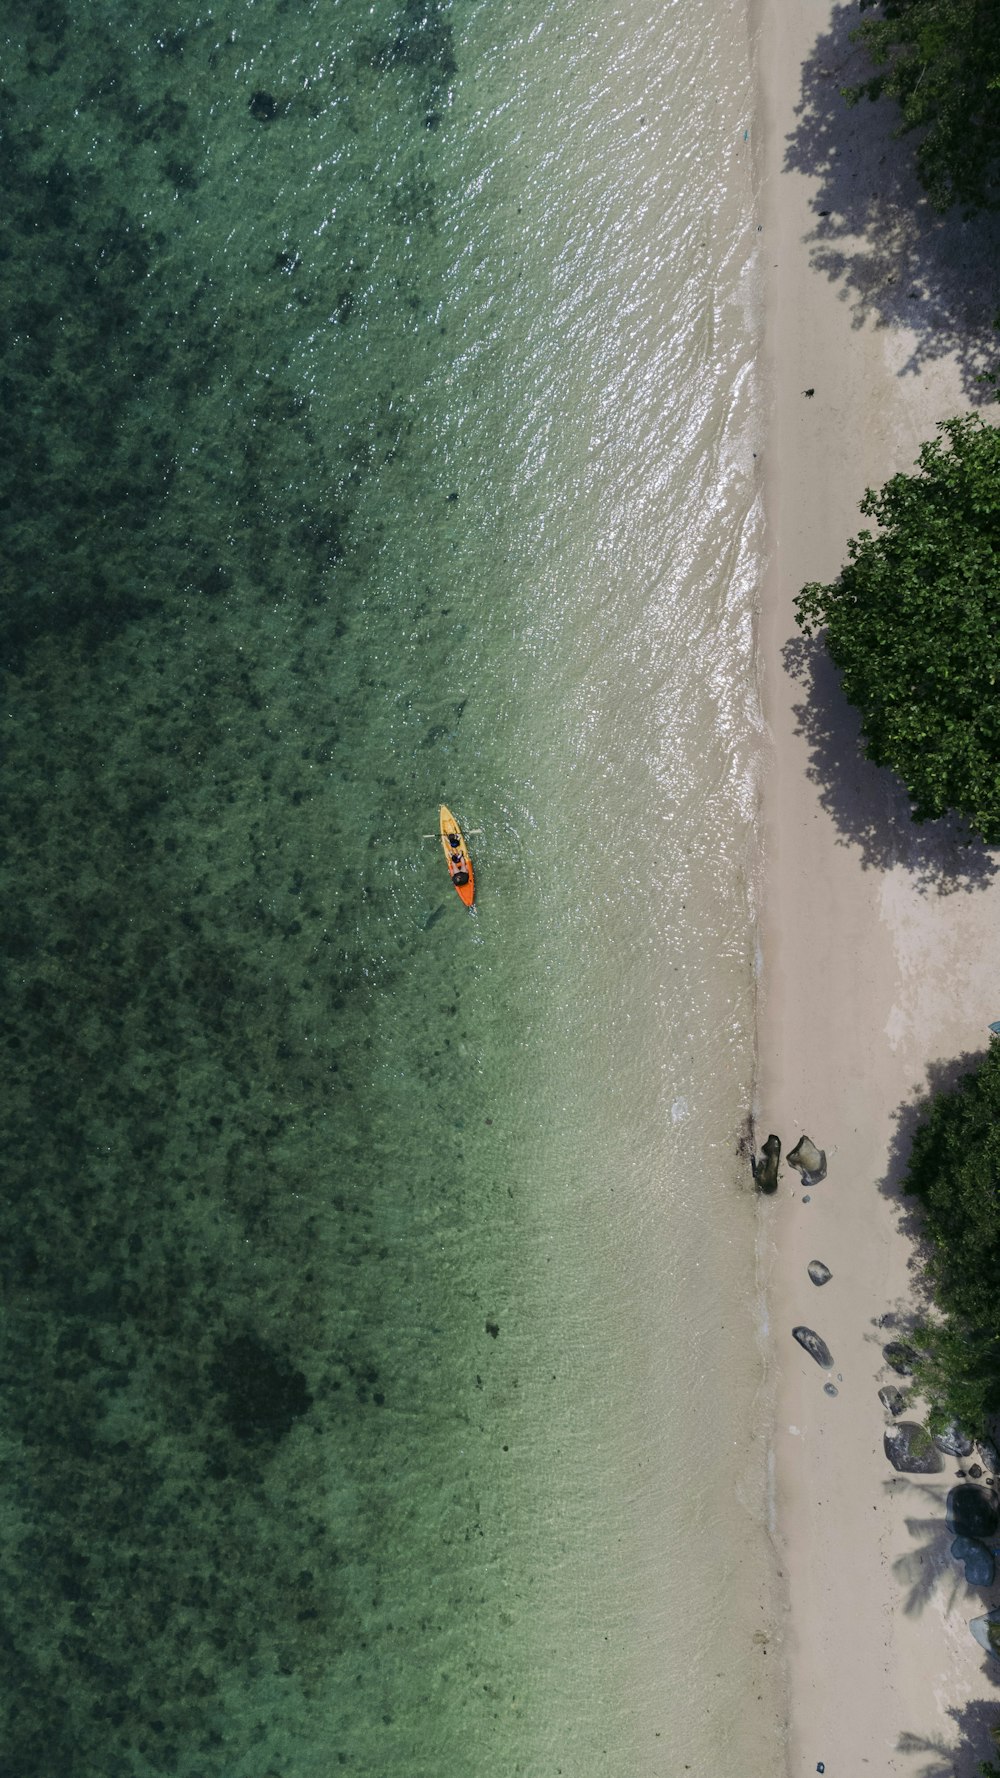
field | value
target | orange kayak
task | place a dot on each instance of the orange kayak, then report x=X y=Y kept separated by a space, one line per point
x=457 y=854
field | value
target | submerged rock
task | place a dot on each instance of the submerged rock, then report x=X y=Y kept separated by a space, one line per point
x=910 y=1449
x=953 y=1442
x=766 y=1169
x=810 y=1161
x=900 y=1357
x=971 y=1512
x=818 y=1272
x=891 y=1399
x=816 y=1348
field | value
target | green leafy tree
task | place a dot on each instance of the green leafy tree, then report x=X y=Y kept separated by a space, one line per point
x=954 y=1171
x=940 y=61
x=913 y=623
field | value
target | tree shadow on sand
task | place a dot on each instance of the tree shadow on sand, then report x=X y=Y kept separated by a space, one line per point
x=929 y=1569
x=940 y=1077
x=876 y=234
x=868 y=804
x=973 y=1722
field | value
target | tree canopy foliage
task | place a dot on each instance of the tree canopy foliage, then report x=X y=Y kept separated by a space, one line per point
x=913 y=624
x=954 y=1171
x=940 y=61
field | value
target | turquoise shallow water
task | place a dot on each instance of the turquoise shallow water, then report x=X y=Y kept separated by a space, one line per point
x=377 y=1277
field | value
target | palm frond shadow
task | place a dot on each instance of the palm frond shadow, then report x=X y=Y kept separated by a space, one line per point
x=973 y=1721
x=868 y=804
x=876 y=235
x=929 y=1569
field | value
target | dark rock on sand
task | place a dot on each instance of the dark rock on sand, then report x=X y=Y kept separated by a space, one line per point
x=818 y=1272
x=971 y=1512
x=816 y=1348
x=891 y=1399
x=975 y=1471
x=900 y=1357
x=953 y=1442
x=989 y=1454
x=810 y=1161
x=910 y=1449
x=766 y=1169
x=980 y=1566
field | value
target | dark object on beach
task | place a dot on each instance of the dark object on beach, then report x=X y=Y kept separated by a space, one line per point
x=980 y=1566
x=492 y=1329
x=816 y=1348
x=808 y=393
x=830 y=1389
x=971 y=1512
x=974 y=1472
x=810 y=1161
x=263 y=106
x=891 y=1399
x=990 y=1455
x=953 y=1442
x=766 y=1169
x=899 y=1357
x=818 y=1272
x=910 y=1449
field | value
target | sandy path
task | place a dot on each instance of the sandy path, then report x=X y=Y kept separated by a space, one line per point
x=881 y=941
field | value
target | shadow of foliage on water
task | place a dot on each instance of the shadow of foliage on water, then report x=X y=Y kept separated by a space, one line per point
x=868 y=804
x=875 y=232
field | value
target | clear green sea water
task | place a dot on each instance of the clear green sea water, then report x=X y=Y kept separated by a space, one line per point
x=379 y=1315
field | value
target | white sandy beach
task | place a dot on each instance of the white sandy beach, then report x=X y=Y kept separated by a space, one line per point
x=881 y=940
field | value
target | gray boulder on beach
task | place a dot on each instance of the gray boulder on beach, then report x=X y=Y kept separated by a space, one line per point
x=979 y=1562
x=899 y=1357
x=953 y=1442
x=818 y=1272
x=891 y=1399
x=971 y=1511
x=816 y=1348
x=910 y=1449
x=809 y=1160
x=766 y=1169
